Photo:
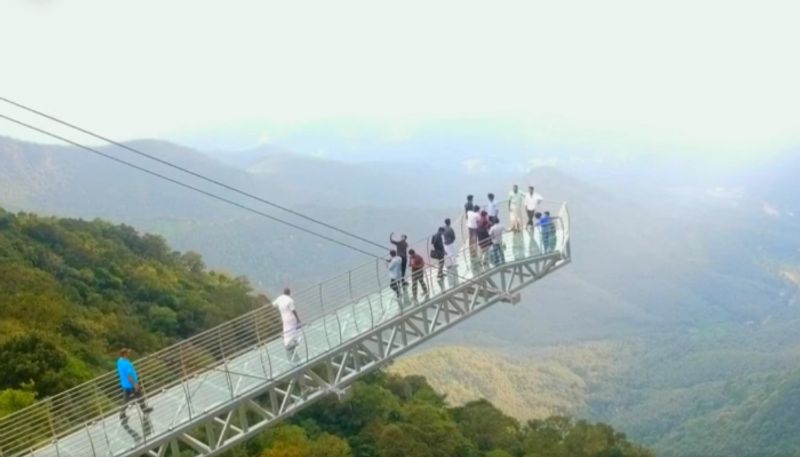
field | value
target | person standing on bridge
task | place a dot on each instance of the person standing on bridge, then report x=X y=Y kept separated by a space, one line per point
x=492 y=208
x=438 y=252
x=484 y=240
x=496 y=233
x=548 y=227
x=473 y=219
x=395 y=267
x=515 y=205
x=451 y=252
x=401 y=247
x=532 y=201
x=291 y=323
x=129 y=381
x=469 y=204
x=417 y=273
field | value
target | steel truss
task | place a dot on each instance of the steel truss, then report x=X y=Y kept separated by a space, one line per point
x=218 y=430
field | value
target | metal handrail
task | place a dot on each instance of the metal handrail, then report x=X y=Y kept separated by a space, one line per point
x=62 y=414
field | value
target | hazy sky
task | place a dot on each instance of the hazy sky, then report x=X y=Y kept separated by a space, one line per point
x=711 y=77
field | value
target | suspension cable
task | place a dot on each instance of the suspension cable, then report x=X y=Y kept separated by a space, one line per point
x=190 y=172
x=187 y=186
x=196 y=189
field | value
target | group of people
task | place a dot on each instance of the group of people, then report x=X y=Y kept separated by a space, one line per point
x=485 y=247
x=485 y=231
x=485 y=238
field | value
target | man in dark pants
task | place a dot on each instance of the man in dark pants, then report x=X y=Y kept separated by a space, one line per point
x=401 y=246
x=394 y=266
x=451 y=252
x=129 y=381
x=417 y=273
x=469 y=204
x=438 y=252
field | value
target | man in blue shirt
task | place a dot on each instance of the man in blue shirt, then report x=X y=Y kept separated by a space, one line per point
x=548 y=231
x=129 y=382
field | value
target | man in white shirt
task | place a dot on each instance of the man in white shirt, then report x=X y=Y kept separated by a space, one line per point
x=395 y=267
x=532 y=201
x=291 y=323
x=496 y=233
x=473 y=218
x=516 y=202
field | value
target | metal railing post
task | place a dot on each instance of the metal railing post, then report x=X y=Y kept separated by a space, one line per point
x=305 y=340
x=260 y=348
x=324 y=318
x=371 y=314
x=269 y=361
x=185 y=386
x=380 y=286
x=91 y=441
x=225 y=362
x=350 y=283
x=339 y=323
x=429 y=266
x=52 y=426
x=97 y=398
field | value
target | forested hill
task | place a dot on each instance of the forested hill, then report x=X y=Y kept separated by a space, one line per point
x=392 y=416
x=73 y=292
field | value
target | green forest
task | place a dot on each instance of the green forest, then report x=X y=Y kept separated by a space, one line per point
x=73 y=291
x=392 y=416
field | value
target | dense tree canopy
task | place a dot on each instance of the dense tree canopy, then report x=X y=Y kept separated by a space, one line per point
x=73 y=291
x=391 y=416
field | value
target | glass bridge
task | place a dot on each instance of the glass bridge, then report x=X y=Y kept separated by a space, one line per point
x=216 y=389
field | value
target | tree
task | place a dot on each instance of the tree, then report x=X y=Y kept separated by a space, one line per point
x=488 y=427
x=15 y=399
x=29 y=358
x=293 y=441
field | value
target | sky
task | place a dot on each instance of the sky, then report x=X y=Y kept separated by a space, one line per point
x=711 y=78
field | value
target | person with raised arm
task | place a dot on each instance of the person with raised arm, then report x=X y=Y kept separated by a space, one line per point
x=401 y=247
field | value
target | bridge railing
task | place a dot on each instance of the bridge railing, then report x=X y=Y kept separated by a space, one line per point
x=329 y=316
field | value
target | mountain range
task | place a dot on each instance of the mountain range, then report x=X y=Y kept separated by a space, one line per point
x=675 y=321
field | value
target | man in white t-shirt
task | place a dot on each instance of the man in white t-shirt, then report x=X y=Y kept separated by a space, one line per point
x=291 y=323
x=496 y=233
x=473 y=218
x=516 y=203
x=532 y=201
